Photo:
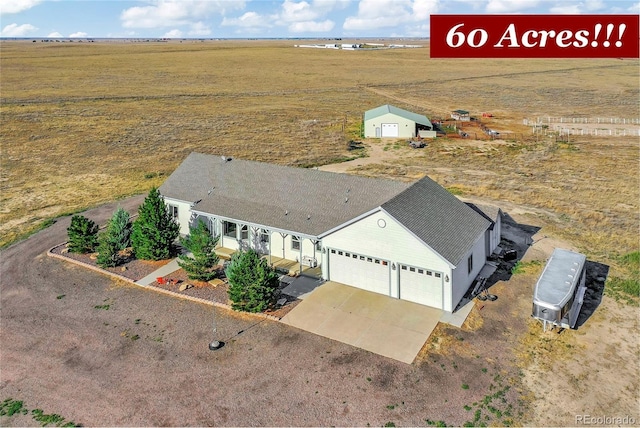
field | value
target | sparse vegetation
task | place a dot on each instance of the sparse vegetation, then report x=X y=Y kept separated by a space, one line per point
x=11 y=407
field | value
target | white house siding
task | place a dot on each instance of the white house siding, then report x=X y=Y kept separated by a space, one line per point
x=391 y=243
x=496 y=233
x=406 y=127
x=461 y=278
x=184 y=213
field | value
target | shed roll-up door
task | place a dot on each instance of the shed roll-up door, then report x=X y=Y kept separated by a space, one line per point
x=390 y=130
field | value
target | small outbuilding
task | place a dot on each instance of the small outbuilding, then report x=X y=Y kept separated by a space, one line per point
x=461 y=115
x=388 y=121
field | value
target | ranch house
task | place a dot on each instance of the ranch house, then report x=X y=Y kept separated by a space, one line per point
x=412 y=241
x=461 y=115
x=392 y=122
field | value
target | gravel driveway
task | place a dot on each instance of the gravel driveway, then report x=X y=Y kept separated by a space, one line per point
x=105 y=353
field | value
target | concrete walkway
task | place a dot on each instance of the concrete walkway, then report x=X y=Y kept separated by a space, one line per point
x=383 y=325
x=165 y=270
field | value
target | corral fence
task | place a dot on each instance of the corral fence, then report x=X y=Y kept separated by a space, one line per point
x=591 y=120
x=605 y=127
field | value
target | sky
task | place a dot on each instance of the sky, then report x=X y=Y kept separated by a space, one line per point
x=263 y=18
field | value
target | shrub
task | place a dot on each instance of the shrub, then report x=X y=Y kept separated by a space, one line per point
x=83 y=234
x=201 y=263
x=253 y=284
x=155 y=230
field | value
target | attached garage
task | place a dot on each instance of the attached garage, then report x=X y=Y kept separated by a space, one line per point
x=358 y=270
x=390 y=130
x=421 y=286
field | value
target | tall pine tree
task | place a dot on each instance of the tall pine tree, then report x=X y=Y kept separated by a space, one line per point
x=155 y=230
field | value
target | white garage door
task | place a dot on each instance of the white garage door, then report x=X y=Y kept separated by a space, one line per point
x=360 y=271
x=390 y=130
x=421 y=286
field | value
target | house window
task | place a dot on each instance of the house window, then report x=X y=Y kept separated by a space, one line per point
x=377 y=261
x=173 y=210
x=438 y=275
x=384 y=263
x=244 y=233
x=404 y=267
x=333 y=251
x=429 y=273
x=420 y=271
x=355 y=256
x=295 y=243
x=470 y=263
x=369 y=259
x=347 y=254
x=264 y=236
x=361 y=257
x=412 y=269
x=230 y=229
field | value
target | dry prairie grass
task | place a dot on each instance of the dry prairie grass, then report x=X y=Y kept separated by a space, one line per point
x=87 y=123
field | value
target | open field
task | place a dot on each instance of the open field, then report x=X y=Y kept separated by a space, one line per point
x=83 y=124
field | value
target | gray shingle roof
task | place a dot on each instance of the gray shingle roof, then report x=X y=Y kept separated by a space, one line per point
x=384 y=109
x=490 y=212
x=262 y=193
x=438 y=218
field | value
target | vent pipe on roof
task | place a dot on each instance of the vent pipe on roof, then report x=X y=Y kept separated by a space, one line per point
x=346 y=200
x=286 y=212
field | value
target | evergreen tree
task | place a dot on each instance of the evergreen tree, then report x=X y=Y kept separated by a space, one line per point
x=116 y=238
x=83 y=234
x=201 y=264
x=107 y=250
x=253 y=284
x=120 y=229
x=155 y=230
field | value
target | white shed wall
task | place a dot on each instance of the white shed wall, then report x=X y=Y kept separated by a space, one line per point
x=406 y=127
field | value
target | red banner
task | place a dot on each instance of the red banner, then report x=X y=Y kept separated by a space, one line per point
x=535 y=36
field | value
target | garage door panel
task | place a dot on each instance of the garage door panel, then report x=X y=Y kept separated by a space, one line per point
x=390 y=130
x=367 y=273
x=421 y=286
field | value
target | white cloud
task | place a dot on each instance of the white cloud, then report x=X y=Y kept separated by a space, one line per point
x=312 y=27
x=173 y=34
x=510 y=6
x=200 y=29
x=78 y=34
x=297 y=11
x=55 y=35
x=574 y=8
x=170 y=13
x=15 y=30
x=634 y=8
x=16 y=6
x=373 y=14
x=248 y=20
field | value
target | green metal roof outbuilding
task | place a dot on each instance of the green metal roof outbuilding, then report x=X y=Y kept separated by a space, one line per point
x=389 y=121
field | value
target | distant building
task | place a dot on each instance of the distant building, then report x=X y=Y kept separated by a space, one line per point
x=388 y=121
x=461 y=115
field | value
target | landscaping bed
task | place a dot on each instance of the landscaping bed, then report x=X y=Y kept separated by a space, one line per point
x=134 y=270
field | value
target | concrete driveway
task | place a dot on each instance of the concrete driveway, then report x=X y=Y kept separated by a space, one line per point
x=380 y=324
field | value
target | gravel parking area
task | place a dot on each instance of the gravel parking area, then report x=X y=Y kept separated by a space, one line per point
x=102 y=352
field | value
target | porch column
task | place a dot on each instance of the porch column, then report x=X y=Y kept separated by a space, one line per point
x=284 y=235
x=300 y=240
